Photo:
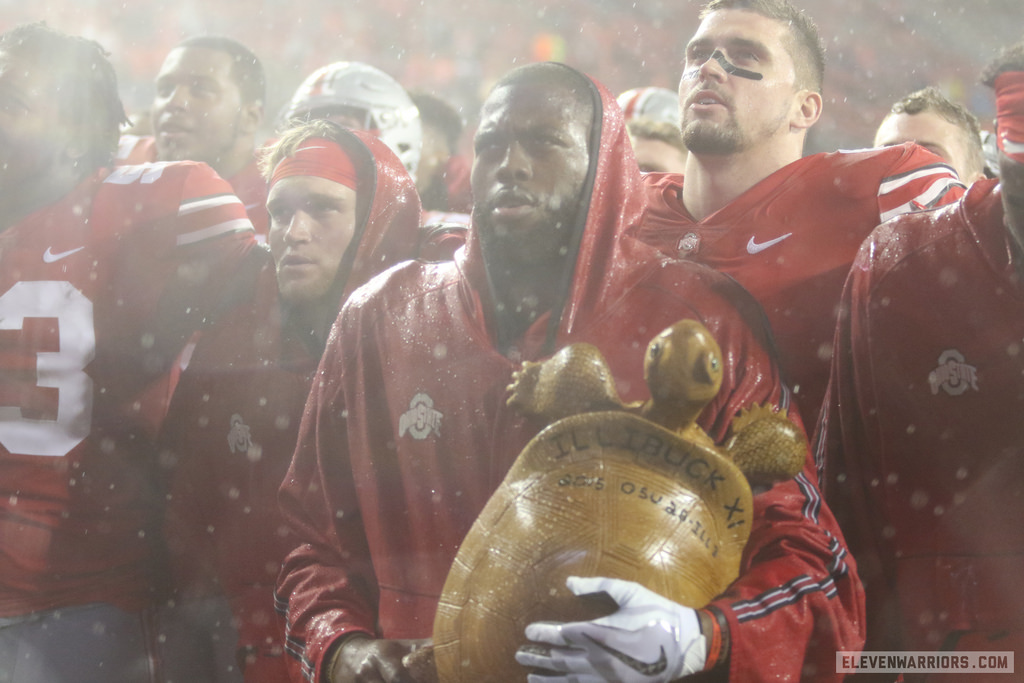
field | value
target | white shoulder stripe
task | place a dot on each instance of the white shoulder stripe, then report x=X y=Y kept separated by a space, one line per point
x=213 y=231
x=207 y=203
x=1012 y=147
x=926 y=200
x=899 y=181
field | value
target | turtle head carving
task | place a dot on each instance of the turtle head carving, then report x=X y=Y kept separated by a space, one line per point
x=683 y=369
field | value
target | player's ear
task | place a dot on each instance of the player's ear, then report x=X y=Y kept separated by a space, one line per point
x=806 y=110
x=251 y=116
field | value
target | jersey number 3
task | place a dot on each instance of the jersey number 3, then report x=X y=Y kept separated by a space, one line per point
x=61 y=368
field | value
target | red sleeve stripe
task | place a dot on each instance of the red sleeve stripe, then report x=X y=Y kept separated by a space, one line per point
x=235 y=225
x=202 y=203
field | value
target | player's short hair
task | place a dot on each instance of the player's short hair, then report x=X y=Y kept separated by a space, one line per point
x=360 y=156
x=805 y=46
x=1010 y=58
x=84 y=84
x=554 y=75
x=931 y=99
x=653 y=129
x=436 y=112
x=247 y=71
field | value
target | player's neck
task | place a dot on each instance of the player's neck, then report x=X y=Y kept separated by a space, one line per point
x=714 y=181
x=312 y=322
x=18 y=202
x=231 y=162
x=523 y=295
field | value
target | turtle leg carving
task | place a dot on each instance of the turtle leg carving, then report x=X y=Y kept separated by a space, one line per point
x=575 y=380
x=522 y=389
x=766 y=446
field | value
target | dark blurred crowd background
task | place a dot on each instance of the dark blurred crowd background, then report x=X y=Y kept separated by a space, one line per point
x=878 y=50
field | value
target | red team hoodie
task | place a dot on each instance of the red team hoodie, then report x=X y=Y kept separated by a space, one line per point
x=406 y=435
x=233 y=421
x=922 y=432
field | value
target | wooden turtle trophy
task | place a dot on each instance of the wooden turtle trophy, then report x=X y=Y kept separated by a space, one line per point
x=632 y=491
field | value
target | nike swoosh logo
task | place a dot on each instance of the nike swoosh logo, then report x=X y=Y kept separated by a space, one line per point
x=754 y=248
x=50 y=257
x=646 y=668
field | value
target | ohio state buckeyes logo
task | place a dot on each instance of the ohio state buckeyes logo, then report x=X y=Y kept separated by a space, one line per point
x=421 y=419
x=239 y=436
x=688 y=243
x=953 y=375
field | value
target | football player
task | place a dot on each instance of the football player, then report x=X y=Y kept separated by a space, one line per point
x=407 y=433
x=104 y=275
x=785 y=226
x=209 y=107
x=923 y=446
x=342 y=208
x=935 y=122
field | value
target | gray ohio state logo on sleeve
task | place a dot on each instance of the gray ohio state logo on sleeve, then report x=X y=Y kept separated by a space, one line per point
x=421 y=419
x=239 y=436
x=954 y=375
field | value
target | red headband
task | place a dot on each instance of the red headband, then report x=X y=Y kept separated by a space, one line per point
x=1009 y=87
x=317 y=157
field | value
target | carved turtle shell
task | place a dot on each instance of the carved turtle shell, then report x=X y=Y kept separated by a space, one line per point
x=598 y=494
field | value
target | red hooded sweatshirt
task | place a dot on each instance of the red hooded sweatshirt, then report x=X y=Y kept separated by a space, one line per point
x=234 y=417
x=406 y=435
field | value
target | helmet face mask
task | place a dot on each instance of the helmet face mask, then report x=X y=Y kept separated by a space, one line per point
x=350 y=92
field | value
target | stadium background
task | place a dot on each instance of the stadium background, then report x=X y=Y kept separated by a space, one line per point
x=878 y=50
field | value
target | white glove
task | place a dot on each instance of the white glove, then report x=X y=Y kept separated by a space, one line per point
x=650 y=639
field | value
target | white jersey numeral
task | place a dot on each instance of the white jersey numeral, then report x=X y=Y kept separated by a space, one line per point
x=143 y=173
x=63 y=369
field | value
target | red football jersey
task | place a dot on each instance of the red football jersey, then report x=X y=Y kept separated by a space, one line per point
x=925 y=443
x=248 y=184
x=790 y=240
x=98 y=293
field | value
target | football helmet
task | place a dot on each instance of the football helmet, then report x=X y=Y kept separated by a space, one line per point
x=660 y=104
x=375 y=98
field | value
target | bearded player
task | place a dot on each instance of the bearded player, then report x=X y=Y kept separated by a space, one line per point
x=208 y=107
x=785 y=226
x=407 y=433
x=923 y=441
x=103 y=276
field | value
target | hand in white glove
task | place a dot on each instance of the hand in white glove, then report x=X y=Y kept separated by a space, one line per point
x=650 y=639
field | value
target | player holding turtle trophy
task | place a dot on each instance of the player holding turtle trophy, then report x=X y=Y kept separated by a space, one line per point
x=408 y=433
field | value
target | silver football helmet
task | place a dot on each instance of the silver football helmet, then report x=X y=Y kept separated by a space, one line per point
x=660 y=104
x=379 y=101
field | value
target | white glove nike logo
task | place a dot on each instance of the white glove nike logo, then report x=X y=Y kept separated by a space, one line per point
x=646 y=668
x=755 y=248
x=50 y=257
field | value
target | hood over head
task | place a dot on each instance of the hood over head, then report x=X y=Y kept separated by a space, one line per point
x=388 y=208
x=611 y=204
x=387 y=212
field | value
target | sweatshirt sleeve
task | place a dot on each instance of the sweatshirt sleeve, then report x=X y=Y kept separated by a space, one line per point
x=326 y=589
x=798 y=598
